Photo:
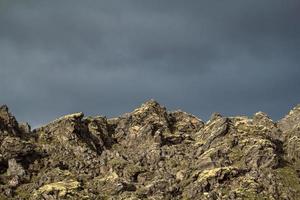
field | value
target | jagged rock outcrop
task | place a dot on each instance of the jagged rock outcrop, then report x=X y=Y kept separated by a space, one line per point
x=290 y=127
x=151 y=153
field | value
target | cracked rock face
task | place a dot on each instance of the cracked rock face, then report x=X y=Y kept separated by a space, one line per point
x=151 y=153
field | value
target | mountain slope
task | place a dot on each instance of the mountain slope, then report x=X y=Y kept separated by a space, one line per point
x=151 y=154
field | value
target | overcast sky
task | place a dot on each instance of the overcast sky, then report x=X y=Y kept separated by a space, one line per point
x=107 y=57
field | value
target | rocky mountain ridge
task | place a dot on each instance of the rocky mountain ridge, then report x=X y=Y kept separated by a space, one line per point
x=151 y=154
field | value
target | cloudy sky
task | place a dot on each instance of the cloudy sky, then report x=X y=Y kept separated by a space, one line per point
x=107 y=57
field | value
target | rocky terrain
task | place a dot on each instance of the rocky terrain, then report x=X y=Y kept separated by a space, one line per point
x=151 y=153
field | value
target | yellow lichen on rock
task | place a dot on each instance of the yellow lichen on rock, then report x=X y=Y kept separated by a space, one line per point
x=134 y=129
x=110 y=177
x=62 y=187
x=207 y=174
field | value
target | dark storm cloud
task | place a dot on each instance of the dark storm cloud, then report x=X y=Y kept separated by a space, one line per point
x=107 y=57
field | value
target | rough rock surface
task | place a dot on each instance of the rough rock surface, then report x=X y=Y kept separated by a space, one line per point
x=151 y=153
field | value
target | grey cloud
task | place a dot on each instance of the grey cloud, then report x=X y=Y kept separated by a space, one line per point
x=107 y=57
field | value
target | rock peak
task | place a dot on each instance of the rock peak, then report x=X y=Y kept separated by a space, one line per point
x=295 y=109
x=78 y=115
x=150 y=104
x=4 y=108
x=215 y=116
x=8 y=120
x=149 y=107
x=291 y=120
